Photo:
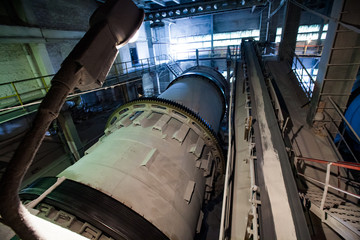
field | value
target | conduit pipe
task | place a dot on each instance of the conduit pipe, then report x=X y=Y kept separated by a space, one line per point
x=112 y=25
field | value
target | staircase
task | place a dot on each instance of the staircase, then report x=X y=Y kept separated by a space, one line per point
x=174 y=68
x=335 y=201
x=341 y=215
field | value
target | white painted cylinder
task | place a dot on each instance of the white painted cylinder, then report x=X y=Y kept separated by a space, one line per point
x=158 y=158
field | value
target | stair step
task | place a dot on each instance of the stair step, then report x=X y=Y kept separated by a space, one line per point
x=341 y=215
x=174 y=68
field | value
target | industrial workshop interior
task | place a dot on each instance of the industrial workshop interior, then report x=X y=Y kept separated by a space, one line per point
x=179 y=119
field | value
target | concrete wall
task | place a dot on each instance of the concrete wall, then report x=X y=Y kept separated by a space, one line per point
x=239 y=20
x=24 y=61
x=58 y=51
x=309 y=18
x=141 y=43
x=161 y=39
x=59 y=14
x=141 y=46
x=191 y=26
x=13 y=63
x=28 y=60
x=236 y=21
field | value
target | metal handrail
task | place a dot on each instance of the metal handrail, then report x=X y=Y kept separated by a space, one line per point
x=338 y=130
x=145 y=64
x=127 y=67
x=340 y=134
x=307 y=89
x=343 y=118
x=18 y=94
x=229 y=168
x=71 y=95
x=211 y=52
x=326 y=184
x=28 y=79
x=344 y=164
x=305 y=48
x=227 y=195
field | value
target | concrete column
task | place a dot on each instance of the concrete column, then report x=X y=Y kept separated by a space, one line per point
x=271 y=36
x=40 y=64
x=264 y=23
x=124 y=93
x=290 y=30
x=42 y=59
x=148 y=84
x=166 y=38
x=212 y=39
x=117 y=66
x=71 y=135
x=149 y=42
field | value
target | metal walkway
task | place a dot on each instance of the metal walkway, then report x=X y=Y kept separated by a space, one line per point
x=333 y=199
x=341 y=215
x=174 y=68
x=17 y=99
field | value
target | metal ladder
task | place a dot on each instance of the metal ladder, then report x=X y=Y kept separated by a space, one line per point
x=174 y=68
x=340 y=62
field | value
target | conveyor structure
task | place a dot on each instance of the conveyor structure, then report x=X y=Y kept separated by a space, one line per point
x=148 y=176
x=280 y=205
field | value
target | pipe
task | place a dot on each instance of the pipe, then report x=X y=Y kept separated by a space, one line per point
x=73 y=73
x=12 y=212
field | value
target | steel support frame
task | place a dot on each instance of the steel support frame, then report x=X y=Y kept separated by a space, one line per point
x=199 y=8
x=290 y=31
x=71 y=135
x=339 y=64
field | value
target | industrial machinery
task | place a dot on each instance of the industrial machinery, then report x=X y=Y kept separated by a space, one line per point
x=148 y=176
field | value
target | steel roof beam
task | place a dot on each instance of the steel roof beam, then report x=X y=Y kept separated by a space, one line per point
x=199 y=8
x=159 y=2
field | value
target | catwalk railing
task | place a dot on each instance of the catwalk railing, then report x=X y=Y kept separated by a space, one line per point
x=232 y=55
x=341 y=218
x=227 y=198
x=215 y=53
x=339 y=128
x=27 y=92
x=305 y=79
x=326 y=184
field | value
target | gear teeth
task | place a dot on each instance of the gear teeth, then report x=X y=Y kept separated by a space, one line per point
x=183 y=108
